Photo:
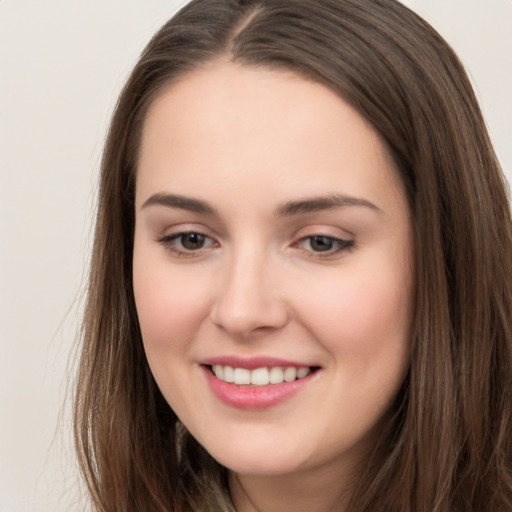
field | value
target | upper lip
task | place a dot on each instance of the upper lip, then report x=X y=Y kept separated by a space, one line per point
x=251 y=363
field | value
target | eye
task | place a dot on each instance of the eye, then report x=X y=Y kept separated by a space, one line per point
x=188 y=242
x=326 y=245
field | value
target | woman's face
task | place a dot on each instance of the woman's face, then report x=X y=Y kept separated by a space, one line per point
x=273 y=246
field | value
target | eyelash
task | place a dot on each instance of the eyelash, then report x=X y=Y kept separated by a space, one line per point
x=170 y=243
x=338 y=244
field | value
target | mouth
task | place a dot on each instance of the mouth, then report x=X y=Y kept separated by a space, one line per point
x=264 y=376
x=259 y=382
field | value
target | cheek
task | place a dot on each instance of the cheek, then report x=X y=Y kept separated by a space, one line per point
x=171 y=303
x=363 y=319
x=171 y=306
x=363 y=311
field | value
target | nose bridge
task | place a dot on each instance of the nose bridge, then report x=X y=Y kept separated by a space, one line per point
x=248 y=299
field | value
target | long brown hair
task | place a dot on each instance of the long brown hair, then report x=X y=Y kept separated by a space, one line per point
x=447 y=447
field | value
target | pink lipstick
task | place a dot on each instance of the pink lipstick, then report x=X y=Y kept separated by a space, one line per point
x=256 y=383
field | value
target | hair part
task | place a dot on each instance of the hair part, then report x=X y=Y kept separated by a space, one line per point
x=447 y=446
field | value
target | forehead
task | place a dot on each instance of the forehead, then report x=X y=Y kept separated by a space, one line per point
x=229 y=97
x=240 y=125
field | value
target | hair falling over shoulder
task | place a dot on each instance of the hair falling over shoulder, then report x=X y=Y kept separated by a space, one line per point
x=448 y=444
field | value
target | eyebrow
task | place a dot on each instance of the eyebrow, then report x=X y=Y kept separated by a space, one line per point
x=180 y=202
x=315 y=204
x=288 y=209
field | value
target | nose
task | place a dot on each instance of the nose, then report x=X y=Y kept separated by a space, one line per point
x=249 y=300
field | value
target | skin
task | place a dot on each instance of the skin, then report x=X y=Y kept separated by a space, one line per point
x=246 y=141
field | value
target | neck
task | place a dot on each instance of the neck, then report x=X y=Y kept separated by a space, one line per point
x=321 y=490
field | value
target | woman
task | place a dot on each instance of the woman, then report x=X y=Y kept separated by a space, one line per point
x=300 y=287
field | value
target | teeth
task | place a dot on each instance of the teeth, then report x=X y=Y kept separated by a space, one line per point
x=228 y=374
x=259 y=376
x=218 y=370
x=242 y=376
x=303 y=372
x=276 y=375
x=290 y=374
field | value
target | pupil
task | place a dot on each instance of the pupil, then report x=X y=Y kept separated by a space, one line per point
x=192 y=241
x=321 y=243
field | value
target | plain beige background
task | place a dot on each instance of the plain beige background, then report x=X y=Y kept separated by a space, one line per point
x=62 y=65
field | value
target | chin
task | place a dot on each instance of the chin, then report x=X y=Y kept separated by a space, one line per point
x=258 y=466
x=263 y=458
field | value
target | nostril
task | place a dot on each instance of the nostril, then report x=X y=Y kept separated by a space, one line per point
x=246 y=305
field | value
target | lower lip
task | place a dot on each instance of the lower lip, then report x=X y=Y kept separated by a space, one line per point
x=254 y=397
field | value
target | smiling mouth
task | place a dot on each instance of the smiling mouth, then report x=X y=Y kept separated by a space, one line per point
x=260 y=376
